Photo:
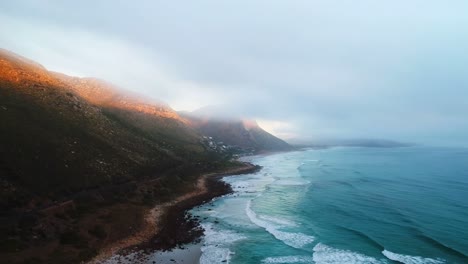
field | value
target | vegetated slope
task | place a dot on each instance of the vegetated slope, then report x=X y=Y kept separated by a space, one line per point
x=244 y=134
x=63 y=134
x=81 y=162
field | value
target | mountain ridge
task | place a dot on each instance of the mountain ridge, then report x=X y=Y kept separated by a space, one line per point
x=31 y=88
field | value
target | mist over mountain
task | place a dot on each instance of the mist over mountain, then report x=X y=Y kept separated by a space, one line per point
x=227 y=128
x=317 y=68
x=64 y=133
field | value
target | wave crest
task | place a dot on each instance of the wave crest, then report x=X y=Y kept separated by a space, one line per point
x=324 y=254
x=288 y=259
x=296 y=240
x=406 y=259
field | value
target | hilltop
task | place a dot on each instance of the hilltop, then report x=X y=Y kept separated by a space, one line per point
x=240 y=135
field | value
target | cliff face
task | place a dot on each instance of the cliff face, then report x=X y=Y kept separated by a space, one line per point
x=61 y=134
x=244 y=134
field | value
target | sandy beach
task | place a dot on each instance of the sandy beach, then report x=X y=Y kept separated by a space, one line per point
x=155 y=241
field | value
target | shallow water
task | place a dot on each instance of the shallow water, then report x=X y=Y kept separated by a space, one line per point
x=344 y=205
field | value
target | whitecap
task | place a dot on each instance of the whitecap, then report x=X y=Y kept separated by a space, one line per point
x=288 y=259
x=324 y=254
x=407 y=259
x=296 y=240
x=219 y=236
x=215 y=244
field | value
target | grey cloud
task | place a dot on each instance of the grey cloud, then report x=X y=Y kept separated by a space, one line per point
x=323 y=68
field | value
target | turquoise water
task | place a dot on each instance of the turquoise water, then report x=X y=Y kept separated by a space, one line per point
x=344 y=205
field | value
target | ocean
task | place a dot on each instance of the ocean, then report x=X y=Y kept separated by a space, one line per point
x=343 y=205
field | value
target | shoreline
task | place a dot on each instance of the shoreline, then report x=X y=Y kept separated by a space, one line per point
x=168 y=225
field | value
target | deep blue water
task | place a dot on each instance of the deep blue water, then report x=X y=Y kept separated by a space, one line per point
x=344 y=205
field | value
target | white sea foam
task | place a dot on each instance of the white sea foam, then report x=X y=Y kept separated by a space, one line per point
x=249 y=183
x=296 y=240
x=411 y=259
x=289 y=259
x=324 y=254
x=237 y=185
x=215 y=244
x=214 y=254
x=219 y=236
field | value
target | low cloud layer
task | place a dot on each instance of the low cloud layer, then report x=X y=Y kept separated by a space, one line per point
x=307 y=69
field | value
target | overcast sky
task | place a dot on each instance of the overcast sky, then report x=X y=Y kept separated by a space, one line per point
x=311 y=69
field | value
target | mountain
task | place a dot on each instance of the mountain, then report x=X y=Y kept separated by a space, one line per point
x=244 y=135
x=81 y=159
x=60 y=133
